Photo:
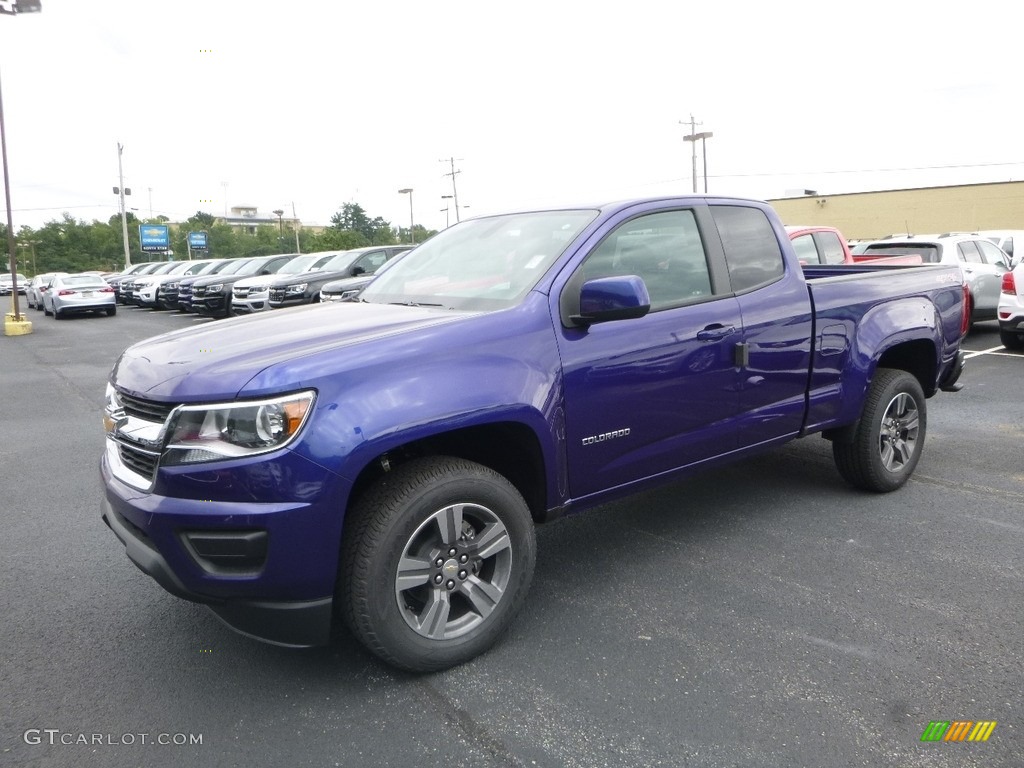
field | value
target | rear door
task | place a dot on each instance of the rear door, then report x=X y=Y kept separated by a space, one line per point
x=777 y=326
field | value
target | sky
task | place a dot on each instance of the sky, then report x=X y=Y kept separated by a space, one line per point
x=306 y=105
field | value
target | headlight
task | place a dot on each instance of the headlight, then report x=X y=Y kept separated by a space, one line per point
x=350 y=294
x=297 y=288
x=198 y=433
x=215 y=288
x=170 y=286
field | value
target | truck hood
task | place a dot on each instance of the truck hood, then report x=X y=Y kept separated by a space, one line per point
x=214 y=361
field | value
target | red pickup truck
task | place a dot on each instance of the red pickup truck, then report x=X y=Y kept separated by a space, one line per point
x=826 y=245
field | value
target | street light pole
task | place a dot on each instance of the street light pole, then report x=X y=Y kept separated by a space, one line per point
x=412 y=232
x=10 y=216
x=124 y=216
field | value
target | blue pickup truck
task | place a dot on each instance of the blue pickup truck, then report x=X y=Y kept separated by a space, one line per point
x=386 y=461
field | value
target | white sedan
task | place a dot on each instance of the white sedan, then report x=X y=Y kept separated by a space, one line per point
x=78 y=293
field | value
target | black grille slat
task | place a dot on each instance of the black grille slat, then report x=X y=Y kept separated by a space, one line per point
x=138 y=461
x=149 y=410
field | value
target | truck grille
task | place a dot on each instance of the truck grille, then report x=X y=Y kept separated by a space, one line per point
x=277 y=294
x=149 y=410
x=139 y=461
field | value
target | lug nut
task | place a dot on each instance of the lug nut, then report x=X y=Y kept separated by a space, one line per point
x=450 y=584
x=453 y=552
x=464 y=559
x=438 y=579
x=439 y=562
x=463 y=574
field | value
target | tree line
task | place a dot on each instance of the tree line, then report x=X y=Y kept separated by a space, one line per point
x=70 y=245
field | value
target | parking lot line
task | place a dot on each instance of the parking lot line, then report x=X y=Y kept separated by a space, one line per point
x=992 y=351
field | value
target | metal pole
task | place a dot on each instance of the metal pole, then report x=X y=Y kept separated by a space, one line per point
x=295 y=219
x=124 y=217
x=704 y=150
x=693 y=130
x=10 y=215
x=412 y=227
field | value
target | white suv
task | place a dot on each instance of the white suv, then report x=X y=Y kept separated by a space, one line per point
x=982 y=262
x=1011 y=309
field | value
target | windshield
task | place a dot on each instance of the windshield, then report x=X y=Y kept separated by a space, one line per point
x=233 y=266
x=928 y=252
x=339 y=262
x=300 y=263
x=488 y=263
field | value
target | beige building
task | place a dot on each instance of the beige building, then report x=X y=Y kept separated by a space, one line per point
x=869 y=215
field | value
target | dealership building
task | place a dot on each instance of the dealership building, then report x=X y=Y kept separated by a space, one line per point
x=869 y=215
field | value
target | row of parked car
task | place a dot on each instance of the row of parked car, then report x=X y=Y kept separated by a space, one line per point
x=239 y=286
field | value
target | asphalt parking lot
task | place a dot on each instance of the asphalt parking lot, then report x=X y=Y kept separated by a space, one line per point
x=763 y=614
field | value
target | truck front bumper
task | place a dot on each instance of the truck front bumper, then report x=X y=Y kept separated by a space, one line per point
x=268 y=570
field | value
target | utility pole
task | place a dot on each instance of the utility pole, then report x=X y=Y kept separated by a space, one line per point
x=295 y=220
x=693 y=137
x=121 y=191
x=455 y=193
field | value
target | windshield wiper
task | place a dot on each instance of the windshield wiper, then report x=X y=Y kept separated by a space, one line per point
x=413 y=304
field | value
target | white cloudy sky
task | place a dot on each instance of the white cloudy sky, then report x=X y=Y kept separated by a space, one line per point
x=323 y=102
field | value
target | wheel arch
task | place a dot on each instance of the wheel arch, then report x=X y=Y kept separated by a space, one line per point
x=510 y=448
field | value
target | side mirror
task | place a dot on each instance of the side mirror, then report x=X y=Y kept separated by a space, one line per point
x=612 y=298
x=357 y=271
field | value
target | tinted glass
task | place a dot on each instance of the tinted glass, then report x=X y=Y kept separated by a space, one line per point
x=664 y=249
x=928 y=252
x=752 y=251
x=991 y=254
x=831 y=247
x=806 y=251
x=969 y=252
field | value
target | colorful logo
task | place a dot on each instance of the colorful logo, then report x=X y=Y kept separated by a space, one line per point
x=958 y=730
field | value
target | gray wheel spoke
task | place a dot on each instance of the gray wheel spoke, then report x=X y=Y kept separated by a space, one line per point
x=449 y=522
x=912 y=423
x=491 y=540
x=887 y=455
x=434 y=619
x=902 y=451
x=412 y=571
x=483 y=595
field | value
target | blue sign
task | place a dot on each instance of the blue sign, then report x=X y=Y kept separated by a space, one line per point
x=197 y=241
x=154 y=237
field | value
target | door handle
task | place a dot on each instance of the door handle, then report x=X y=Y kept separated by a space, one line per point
x=715 y=332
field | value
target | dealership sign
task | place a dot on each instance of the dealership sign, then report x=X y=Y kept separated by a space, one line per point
x=155 y=237
x=197 y=241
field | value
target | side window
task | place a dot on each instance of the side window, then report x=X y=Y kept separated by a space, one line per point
x=806 y=252
x=969 y=252
x=370 y=262
x=991 y=254
x=664 y=249
x=831 y=247
x=752 y=251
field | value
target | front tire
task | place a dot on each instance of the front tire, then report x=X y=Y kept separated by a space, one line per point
x=437 y=559
x=890 y=435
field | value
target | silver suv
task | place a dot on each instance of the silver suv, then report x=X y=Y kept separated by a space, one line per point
x=982 y=262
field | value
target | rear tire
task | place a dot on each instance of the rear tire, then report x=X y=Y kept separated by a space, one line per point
x=111 y=311
x=57 y=314
x=890 y=435
x=437 y=559
x=1011 y=340
x=46 y=311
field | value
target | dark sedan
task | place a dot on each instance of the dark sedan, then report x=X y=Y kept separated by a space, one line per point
x=293 y=290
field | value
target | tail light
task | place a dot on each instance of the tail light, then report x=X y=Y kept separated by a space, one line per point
x=65 y=292
x=1009 y=284
x=108 y=289
x=965 y=319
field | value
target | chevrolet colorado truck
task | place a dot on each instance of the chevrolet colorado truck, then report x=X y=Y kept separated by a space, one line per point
x=386 y=461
